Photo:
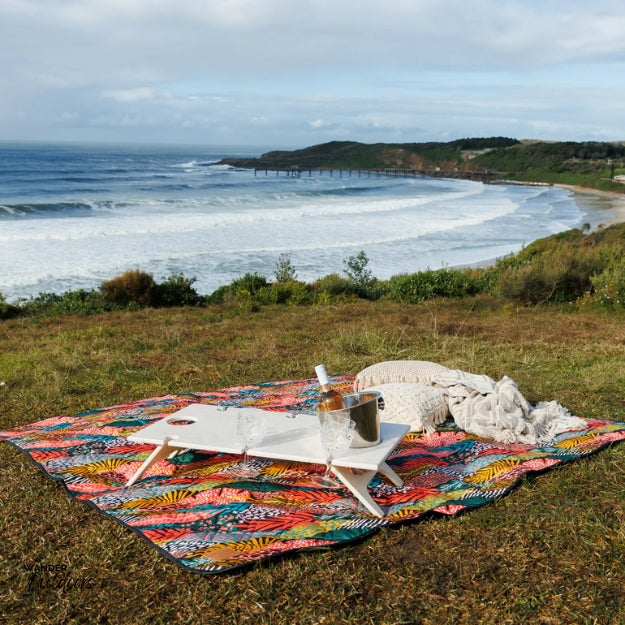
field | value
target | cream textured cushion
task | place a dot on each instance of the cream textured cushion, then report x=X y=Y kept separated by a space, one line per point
x=419 y=406
x=416 y=371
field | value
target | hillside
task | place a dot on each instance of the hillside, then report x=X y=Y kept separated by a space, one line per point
x=355 y=155
x=589 y=164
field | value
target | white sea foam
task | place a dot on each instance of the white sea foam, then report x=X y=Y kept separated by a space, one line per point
x=216 y=223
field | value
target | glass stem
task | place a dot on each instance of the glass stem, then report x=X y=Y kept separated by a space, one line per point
x=326 y=475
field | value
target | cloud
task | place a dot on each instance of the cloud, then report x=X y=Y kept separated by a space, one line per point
x=354 y=67
x=129 y=95
x=136 y=38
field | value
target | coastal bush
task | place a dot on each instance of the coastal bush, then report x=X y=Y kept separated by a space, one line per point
x=292 y=292
x=39 y=304
x=285 y=271
x=251 y=283
x=481 y=143
x=132 y=287
x=8 y=311
x=613 y=235
x=366 y=286
x=81 y=302
x=418 y=287
x=78 y=302
x=177 y=290
x=333 y=286
x=218 y=296
x=248 y=291
x=608 y=288
x=562 y=275
x=551 y=156
x=559 y=268
x=357 y=271
x=126 y=291
x=376 y=290
x=482 y=279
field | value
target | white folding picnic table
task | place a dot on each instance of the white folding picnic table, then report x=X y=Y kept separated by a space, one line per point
x=290 y=436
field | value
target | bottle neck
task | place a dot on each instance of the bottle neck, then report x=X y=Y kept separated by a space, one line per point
x=322 y=376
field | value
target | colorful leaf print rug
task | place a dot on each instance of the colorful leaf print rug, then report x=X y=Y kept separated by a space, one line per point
x=195 y=511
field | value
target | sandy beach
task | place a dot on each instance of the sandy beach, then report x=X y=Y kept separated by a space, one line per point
x=594 y=200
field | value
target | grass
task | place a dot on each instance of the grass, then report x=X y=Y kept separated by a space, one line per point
x=551 y=552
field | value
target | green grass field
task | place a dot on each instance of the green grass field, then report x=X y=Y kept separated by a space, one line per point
x=553 y=551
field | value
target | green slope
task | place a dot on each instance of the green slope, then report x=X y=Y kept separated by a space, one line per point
x=589 y=164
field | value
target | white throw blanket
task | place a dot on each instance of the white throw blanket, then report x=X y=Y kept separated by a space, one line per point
x=497 y=410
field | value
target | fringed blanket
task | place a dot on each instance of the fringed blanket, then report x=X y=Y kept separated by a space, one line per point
x=497 y=410
x=197 y=513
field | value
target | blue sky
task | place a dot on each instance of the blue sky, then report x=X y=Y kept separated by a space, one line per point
x=291 y=73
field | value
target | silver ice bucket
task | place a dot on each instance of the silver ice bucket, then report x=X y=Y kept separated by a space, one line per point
x=363 y=410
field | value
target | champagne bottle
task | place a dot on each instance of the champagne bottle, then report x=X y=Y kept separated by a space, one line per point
x=330 y=398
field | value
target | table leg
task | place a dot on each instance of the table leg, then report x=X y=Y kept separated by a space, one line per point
x=160 y=452
x=358 y=484
x=387 y=472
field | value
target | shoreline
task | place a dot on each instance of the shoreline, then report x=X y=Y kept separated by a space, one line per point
x=590 y=200
x=597 y=208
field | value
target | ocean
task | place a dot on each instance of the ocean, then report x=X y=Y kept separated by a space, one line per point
x=73 y=216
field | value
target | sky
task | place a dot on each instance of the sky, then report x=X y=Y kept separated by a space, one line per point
x=293 y=73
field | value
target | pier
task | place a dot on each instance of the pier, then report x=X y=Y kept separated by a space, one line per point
x=486 y=176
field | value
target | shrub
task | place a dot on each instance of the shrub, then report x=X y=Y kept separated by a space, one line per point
x=251 y=283
x=333 y=285
x=357 y=272
x=69 y=303
x=79 y=302
x=177 y=291
x=290 y=292
x=285 y=272
x=136 y=287
x=40 y=304
x=608 y=288
x=219 y=295
x=418 y=287
x=8 y=311
x=249 y=291
x=561 y=274
x=375 y=290
x=482 y=278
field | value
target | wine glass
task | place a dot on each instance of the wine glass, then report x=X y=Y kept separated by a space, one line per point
x=251 y=430
x=337 y=433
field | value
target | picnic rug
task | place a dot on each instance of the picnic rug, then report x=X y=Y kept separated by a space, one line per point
x=195 y=511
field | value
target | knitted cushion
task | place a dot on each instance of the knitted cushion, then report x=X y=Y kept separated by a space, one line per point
x=421 y=407
x=416 y=371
